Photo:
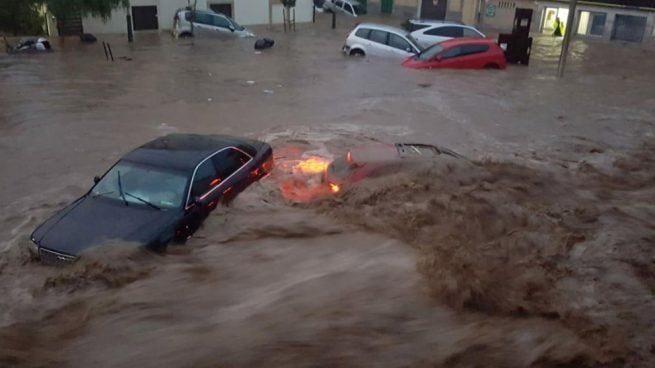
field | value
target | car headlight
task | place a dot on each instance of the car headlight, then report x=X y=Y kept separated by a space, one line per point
x=33 y=247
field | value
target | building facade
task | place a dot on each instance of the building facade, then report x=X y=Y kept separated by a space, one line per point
x=600 y=21
x=157 y=15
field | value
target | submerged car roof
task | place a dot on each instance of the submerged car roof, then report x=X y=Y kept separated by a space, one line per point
x=183 y=152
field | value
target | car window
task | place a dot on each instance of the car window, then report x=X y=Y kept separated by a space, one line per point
x=398 y=42
x=451 y=52
x=378 y=36
x=204 y=179
x=338 y=3
x=228 y=161
x=135 y=183
x=203 y=18
x=473 y=49
x=416 y=26
x=363 y=33
x=430 y=52
x=347 y=8
x=448 y=31
x=471 y=33
x=220 y=21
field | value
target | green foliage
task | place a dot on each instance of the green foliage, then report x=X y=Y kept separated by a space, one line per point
x=288 y=3
x=97 y=8
x=20 y=17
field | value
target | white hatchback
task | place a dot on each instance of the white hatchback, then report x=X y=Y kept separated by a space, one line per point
x=437 y=32
x=207 y=22
x=380 y=40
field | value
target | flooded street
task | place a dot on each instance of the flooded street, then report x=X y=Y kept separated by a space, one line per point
x=537 y=250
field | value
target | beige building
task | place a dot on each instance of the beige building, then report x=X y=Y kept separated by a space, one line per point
x=157 y=15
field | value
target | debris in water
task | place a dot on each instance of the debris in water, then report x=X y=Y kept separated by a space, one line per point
x=250 y=82
x=268 y=91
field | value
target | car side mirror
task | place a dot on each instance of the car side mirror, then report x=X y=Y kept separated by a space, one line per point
x=96 y=179
x=231 y=27
x=197 y=201
x=409 y=49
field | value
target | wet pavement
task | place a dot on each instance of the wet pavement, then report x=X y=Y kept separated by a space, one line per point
x=537 y=252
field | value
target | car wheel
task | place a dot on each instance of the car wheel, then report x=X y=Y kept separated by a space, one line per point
x=357 y=52
x=491 y=66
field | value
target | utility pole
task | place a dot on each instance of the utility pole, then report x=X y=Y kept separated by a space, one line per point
x=568 y=33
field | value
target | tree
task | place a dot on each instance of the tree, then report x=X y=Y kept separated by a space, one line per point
x=21 y=17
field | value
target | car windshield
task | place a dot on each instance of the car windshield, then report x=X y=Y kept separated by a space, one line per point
x=236 y=25
x=134 y=183
x=430 y=52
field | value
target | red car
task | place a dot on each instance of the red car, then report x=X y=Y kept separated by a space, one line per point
x=460 y=53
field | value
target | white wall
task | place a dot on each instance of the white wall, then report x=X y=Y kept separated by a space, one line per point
x=116 y=24
x=246 y=12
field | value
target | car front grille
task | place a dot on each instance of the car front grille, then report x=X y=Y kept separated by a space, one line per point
x=55 y=258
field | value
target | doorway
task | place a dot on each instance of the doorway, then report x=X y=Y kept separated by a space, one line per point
x=433 y=9
x=145 y=17
x=386 y=6
x=550 y=15
x=224 y=8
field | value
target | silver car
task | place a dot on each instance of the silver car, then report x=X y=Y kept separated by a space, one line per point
x=348 y=7
x=437 y=32
x=380 y=40
x=206 y=22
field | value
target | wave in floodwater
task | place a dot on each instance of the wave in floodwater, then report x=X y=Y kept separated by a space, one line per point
x=518 y=266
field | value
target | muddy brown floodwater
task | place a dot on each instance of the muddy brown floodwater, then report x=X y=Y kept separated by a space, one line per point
x=536 y=251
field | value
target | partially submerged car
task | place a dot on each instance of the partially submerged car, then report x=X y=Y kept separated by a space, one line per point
x=460 y=53
x=29 y=45
x=380 y=40
x=157 y=193
x=348 y=7
x=377 y=160
x=206 y=22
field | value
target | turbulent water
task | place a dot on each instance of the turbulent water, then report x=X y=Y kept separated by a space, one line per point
x=536 y=250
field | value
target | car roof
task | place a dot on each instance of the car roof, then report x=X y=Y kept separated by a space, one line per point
x=382 y=27
x=183 y=152
x=466 y=41
x=438 y=25
x=434 y=21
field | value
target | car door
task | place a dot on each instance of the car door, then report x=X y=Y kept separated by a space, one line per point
x=338 y=6
x=202 y=23
x=378 y=44
x=203 y=181
x=348 y=9
x=232 y=166
x=400 y=46
x=448 y=58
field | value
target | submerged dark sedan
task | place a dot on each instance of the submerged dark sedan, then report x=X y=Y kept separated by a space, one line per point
x=158 y=193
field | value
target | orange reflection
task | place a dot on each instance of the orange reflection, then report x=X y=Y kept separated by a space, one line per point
x=313 y=165
x=334 y=188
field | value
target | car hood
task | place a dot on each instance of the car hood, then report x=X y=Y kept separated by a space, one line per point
x=91 y=221
x=411 y=62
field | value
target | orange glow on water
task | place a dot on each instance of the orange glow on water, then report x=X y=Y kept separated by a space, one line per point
x=334 y=188
x=313 y=165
